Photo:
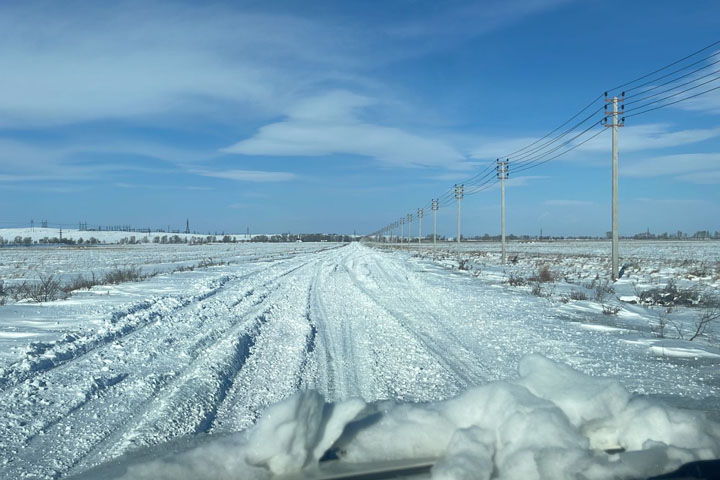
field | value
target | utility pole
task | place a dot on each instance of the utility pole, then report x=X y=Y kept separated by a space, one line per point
x=420 y=215
x=435 y=209
x=614 y=125
x=402 y=229
x=409 y=219
x=502 y=174
x=458 y=196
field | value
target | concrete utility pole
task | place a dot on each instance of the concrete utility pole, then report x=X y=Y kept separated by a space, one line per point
x=458 y=196
x=435 y=209
x=420 y=215
x=409 y=220
x=615 y=234
x=502 y=174
x=402 y=229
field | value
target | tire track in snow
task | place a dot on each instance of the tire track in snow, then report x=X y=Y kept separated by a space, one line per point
x=281 y=360
x=339 y=354
x=72 y=411
x=457 y=359
x=46 y=356
x=189 y=403
x=367 y=353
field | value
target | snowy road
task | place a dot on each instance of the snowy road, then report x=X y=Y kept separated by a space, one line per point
x=353 y=321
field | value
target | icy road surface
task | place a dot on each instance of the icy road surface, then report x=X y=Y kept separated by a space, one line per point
x=208 y=351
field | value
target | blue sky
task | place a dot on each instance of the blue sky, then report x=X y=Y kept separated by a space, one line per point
x=344 y=116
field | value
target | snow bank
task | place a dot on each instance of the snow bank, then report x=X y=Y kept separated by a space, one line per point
x=551 y=422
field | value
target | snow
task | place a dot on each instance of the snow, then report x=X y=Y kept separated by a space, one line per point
x=550 y=422
x=417 y=359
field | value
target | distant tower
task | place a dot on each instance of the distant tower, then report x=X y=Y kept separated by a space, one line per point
x=60 y=233
x=187 y=226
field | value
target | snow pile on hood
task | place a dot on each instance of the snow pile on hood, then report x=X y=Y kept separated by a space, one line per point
x=551 y=422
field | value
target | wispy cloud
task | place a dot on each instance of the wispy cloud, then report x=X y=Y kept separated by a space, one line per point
x=522 y=181
x=689 y=167
x=121 y=59
x=332 y=124
x=28 y=161
x=472 y=19
x=568 y=203
x=702 y=178
x=633 y=138
x=160 y=186
x=249 y=175
x=82 y=61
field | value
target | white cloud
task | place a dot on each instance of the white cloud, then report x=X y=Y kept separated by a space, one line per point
x=79 y=61
x=20 y=161
x=633 y=138
x=659 y=135
x=702 y=178
x=83 y=61
x=331 y=124
x=510 y=183
x=687 y=202
x=568 y=203
x=684 y=166
x=248 y=175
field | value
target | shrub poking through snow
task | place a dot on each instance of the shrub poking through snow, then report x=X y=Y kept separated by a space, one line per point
x=603 y=289
x=610 y=309
x=578 y=295
x=708 y=315
x=209 y=262
x=81 y=282
x=517 y=280
x=45 y=289
x=123 y=274
x=544 y=274
x=541 y=291
x=670 y=295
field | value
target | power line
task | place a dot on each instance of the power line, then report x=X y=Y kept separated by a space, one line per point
x=676 y=93
x=694 y=81
x=667 y=66
x=566 y=132
x=539 y=152
x=528 y=167
x=567 y=142
x=555 y=129
x=655 y=87
x=671 y=103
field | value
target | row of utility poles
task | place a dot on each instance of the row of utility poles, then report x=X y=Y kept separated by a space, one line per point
x=502 y=173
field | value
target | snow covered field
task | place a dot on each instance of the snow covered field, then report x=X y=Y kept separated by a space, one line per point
x=668 y=291
x=124 y=367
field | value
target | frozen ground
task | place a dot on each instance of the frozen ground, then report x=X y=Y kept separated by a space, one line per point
x=126 y=367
